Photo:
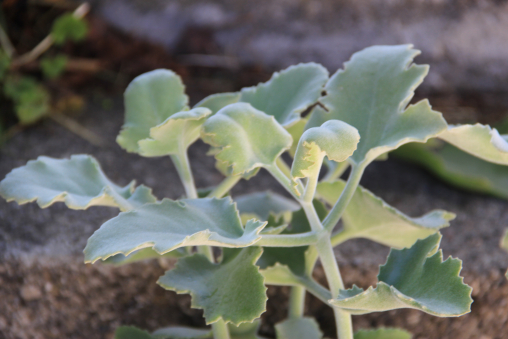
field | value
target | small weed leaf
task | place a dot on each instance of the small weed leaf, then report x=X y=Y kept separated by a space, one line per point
x=68 y=27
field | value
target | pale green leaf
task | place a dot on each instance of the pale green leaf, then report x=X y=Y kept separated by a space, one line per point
x=296 y=130
x=482 y=141
x=68 y=27
x=334 y=139
x=179 y=332
x=143 y=254
x=177 y=133
x=372 y=94
x=131 y=332
x=262 y=204
x=458 y=167
x=149 y=100
x=383 y=333
x=416 y=278
x=239 y=298
x=78 y=182
x=368 y=216
x=216 y=102
x=247 y=137
x=168 y=225
x=288 y=93
x=298 y=328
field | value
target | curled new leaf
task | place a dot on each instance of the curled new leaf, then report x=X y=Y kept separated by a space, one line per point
x=78 y=182
x=416 y=278
x=298 y=328
x=335 y=139
x=178 y=132
x=482 y=141
x=368 y=216
x=247 y=138
x=372 y=93
x=288 y=93
x=239 y=298
x=150 y=99
x=168 y=225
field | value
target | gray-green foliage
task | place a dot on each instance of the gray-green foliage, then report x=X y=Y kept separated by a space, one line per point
x=249 y=241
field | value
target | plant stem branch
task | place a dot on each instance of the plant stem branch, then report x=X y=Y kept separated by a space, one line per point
x=338 y=209
x=224 y=187
x=277 y=173
x=6 y=43
x=287 y=172
x=47 y=42
x=182 y=165
x=296 y=302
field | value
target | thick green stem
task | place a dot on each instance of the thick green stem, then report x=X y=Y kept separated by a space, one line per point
x=283 y=180
x=220 y=329
x=224 y=187
x=288 y=240
x=333 y=175
x=281 y=164
x=296 y=302
x=338 y=209
x=182 y=165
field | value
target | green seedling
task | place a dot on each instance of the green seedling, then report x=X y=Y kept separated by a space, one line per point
x=229 y=249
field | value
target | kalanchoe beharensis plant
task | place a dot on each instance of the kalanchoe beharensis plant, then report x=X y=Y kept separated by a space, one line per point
x=356 y=116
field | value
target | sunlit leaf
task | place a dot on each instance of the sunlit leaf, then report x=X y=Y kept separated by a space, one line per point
x=372 y=94
x=368 y=216
x=298 y=328
x=168 y=225
x=416 y=278
x=288 y=93
x=262 y=204
x=53 y=67
x=458 y=167
x=149 y=100
x=131 y=332
x=383 y=333
x=68 y=27
x=334 y=139
x=216 y=102
x=178 y=132
x=143 y=254
x=239 y=298
x=78 y=182
x=296 y=130
x=247 y=138
x=482 y=141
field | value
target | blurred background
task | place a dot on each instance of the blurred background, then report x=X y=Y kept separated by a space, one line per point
x=63 y=68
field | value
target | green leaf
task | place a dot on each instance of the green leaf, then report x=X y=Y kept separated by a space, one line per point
x=296 y=130
x=482 y=141
x=53 y=67
x=31 y=100
x=383 y=333
x=247 y=138
x=178 y=132
x=262 y=204
x=372 y=93
x=178 y=332
x=368 y=216
x=334 y=139
x=298 y=328
x=131 y=332
x=78 y=182
x=143 y=254
x=216 y=102
x=168 y=225
x=458 y=167
x=288 y=93
x=68 y=27
x=239 y=298
x=416 y=278
x=150 y=99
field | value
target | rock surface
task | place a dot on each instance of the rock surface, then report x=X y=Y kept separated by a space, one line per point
x=47 y=292
x=466 y=41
